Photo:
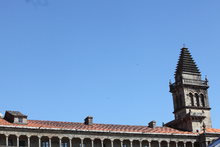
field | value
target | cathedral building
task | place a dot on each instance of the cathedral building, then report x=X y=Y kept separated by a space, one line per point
x=191 y=127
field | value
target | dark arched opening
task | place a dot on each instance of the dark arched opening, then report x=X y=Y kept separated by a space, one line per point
x=202 y=100
x=191 y=99
x=197 y=99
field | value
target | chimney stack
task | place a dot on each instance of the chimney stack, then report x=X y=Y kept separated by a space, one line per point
x=88 y=120
x=152 y=124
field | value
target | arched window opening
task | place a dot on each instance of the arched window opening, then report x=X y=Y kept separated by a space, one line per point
x=191 y=99
x=197 y=99
x=202 y=100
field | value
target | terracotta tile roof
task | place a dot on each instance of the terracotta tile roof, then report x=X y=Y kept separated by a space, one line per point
x=101 y=127
x=95 y=127
x=212 y=130
x=4 y=122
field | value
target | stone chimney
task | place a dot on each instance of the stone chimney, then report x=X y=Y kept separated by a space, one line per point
x=88 y=120
x=152 y=124
x=15 y=117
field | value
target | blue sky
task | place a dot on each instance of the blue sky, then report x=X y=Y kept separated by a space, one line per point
x=111 y=59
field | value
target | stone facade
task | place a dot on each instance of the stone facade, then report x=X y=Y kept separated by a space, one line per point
x=191 y=127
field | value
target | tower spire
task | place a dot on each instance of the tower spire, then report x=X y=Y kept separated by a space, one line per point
x=186 y=64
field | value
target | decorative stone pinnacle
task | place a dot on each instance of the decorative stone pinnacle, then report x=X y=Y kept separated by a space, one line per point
x=204 y=127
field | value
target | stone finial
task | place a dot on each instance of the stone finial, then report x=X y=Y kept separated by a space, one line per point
x=206 y=79
x=204 y=127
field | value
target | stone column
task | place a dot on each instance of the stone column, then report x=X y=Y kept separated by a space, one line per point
x=159 y=143
x=39 y=141
x=102 y=143
x=17 y=141
x=140 y=143
x=121 y=143
x=112 y=143
x=82 y=142
x=70 y=142
x=207 y=144
x=50 y=142
x=60 y=142
x=149 y=143
x=184 y=144
x=192 y=144
x=28 y=143
x=92 y=142
x=6 y=140
x=131 y=143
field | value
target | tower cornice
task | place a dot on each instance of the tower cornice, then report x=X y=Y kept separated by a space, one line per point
x=191 y=107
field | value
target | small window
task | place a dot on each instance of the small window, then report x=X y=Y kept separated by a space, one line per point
x=45 y=144
x=64 y=144
x=20 y=120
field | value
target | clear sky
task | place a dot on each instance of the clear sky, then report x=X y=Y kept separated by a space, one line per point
x=111 y=59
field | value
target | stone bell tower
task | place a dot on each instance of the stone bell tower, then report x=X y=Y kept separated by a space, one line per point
x=190 y=96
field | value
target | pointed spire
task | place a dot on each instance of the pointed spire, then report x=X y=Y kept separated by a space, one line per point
x=186 y=64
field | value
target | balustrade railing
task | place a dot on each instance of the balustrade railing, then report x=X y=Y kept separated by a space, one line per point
x=196 y=114
x=189 y=82
x=195 y=82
